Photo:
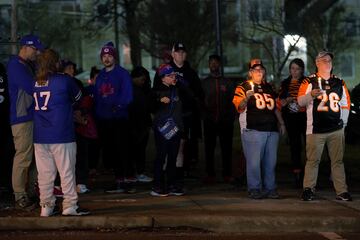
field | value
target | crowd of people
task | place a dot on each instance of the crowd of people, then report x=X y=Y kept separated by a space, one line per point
x=67 y=127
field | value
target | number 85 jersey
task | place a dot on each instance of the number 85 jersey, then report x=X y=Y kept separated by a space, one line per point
x=329 y=111
x=53 y=115
x=259 y=113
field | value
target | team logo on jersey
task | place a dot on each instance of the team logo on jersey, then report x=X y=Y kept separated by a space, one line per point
x=106 y=90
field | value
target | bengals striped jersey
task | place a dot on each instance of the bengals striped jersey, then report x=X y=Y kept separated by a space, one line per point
x=259 y=113
x=329 y=111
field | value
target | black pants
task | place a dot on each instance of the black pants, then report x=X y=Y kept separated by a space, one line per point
x=82 y=159
x=94 y=153
x=7 y=152
x=138 y=150
x=223 y=130
x=166 y=150
x=296 y=128
x=191 y=135
x=114 y=139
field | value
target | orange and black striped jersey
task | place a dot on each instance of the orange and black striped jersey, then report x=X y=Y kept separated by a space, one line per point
x=324 y=113
x=259 y=113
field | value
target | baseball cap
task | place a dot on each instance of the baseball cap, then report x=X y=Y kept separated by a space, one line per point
x=108 y=48
x=255 y=61
x=256 y=65
x=322 y=54
x=178 y=46
x=32 y=40
x=165 y=69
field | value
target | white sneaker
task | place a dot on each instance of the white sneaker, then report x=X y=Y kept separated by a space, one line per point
x=81 y=188
x=143 y=178
x=75 y=211
x=47 y=211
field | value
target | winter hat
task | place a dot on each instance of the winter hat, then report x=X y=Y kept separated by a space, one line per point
x=108 y=48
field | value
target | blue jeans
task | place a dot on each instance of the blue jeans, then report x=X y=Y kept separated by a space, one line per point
x=260 y=149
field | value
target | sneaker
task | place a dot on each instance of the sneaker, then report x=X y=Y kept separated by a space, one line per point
x=308 y=194
x=345 y=196
x=47 y=211
x=75 y=211
x=143 y=178
x=58 y=192
x=176 y=192
x=255 y=194
x=272 y=194
x=158 y=193
x=128 y=188
x=25 y=203
x=116 y=188
x=130 y=180
x=81 y=188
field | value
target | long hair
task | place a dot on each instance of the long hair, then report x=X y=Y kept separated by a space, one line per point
x=48 y=63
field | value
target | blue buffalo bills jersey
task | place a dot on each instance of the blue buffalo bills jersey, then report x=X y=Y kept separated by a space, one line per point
x=53 y=115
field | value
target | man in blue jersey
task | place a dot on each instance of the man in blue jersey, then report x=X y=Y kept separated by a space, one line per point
x=113 y=93
x=21 y=80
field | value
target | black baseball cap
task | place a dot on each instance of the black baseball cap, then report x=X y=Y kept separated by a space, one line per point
x=178 y=46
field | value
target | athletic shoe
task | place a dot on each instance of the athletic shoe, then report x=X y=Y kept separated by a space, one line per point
x=143 y=178
x=58 y=192
x=130 y=180
x=25 y=203
x=176 y=192
x=255 y=194
x=272 y=194
x=75 y=211
x=345 y=196
x=116 y=188
x=47 y=211
x=158 y=193
x=308 y=194
x=81 y=188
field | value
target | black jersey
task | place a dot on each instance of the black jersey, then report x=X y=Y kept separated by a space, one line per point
x=259 y=113
x=324 y=113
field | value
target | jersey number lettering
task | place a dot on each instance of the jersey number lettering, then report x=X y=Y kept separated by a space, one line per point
x=333 y=99
x=264 y=101
x=45 y=94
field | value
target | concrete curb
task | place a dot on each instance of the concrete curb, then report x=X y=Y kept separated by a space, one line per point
x=85 y=222
x=215 y=223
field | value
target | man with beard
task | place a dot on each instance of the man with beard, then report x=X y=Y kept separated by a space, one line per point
x=21 y=80
x=113 y=94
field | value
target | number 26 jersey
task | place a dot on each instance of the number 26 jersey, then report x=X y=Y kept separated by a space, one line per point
x=324 y=113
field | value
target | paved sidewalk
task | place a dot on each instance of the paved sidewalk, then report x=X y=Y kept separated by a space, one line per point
x=220 y=208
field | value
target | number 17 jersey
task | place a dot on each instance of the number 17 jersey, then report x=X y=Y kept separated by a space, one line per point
x=53 y=115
